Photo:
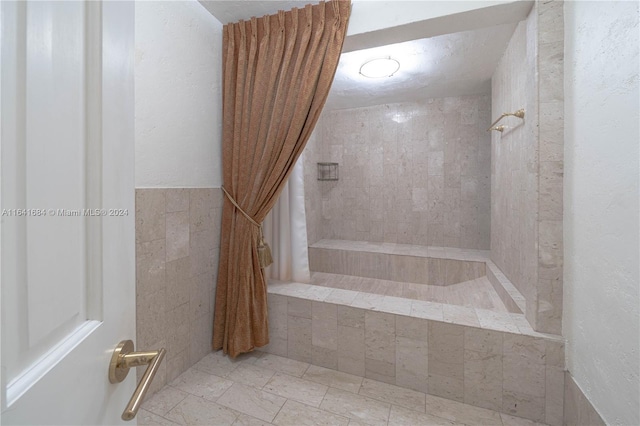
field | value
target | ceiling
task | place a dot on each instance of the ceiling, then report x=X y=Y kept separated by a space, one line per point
x=455 y=64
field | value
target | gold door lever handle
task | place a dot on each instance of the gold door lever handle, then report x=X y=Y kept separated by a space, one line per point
x=122 y=360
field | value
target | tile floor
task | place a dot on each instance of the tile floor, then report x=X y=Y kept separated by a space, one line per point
x=264 y=389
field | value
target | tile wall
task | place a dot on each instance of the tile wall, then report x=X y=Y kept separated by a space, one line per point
x=578 y=410
x=514 y=373
x=177 y=250
x=527 y=166
x=410 y=173
x=514 y=167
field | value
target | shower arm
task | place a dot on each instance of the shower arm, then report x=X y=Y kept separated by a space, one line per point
x=519 y=113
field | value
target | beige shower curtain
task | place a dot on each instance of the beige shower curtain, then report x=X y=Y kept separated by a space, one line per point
x=277 y=73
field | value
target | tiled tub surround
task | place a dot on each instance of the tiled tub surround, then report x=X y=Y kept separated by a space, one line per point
x=177 y=250
x=395 y=262
x=488 y=359
x=410 y=173
x=426 y=266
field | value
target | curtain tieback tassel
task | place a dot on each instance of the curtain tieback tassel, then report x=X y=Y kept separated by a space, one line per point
x=264 y=251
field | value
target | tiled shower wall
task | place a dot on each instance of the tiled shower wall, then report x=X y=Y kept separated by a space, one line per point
x=527 y=165
x=411 y=173
x=177 y=250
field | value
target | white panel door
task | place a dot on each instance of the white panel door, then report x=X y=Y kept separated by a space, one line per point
x=67 y=203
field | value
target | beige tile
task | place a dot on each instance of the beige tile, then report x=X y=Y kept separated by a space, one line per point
x=483 y=341
x=178 y=277
x=251 y=375
x=177 y=199
x=508 y=420
x=500 y=321
x=177 y=364
x=382 y=371
x=163 y=401
x=246 y=420
x=296 y=414
x=446 y=387
x=446 y=350
x=251 y=401
x=276 y=346
x=283 y=365
x=324 y=325
x=356 y=407
x=299 y=307
x=460 y=315
x=523 y=366
x=396 y=305
x=200 y=295
x=334 y=379
x=198 y=411
x=411 y=364
x=413 y=328
x=323 y=357
x=201 y=246
x=437 y=271
x=299 y=346
x=351 y=350
x=300 y=390
x=202 y=204
x=200 y=340
x=523 y=405
x=277 y=306
x=554 y=396
x=177 y=224
x=201 y=384
x=341 y=297
x=483 y=379
x=462 y=413
x=217 y=363
x=177 y=331
x=403 y=417
x=380 y=336
x=147 y=418
x=393 y=394
x=151 y=318
x=150 y=215
x=368 y=301
x=427 y=310
x=150 y=267
x=351 y=317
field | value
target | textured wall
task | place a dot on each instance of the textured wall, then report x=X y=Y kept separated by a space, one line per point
x=177 y=250
x=178 y=95
x=412 y=173
x=601 y=318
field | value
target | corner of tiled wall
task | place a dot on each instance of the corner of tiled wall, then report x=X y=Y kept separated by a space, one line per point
x=550 y=166
x=177 y=251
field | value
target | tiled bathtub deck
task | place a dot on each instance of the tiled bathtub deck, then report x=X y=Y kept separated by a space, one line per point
x=486 y=358
x=264 y=389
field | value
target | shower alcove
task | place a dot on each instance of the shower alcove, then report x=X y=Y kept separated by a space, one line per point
x=433 y=259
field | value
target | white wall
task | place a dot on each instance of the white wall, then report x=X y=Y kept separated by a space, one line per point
x=601 y=297
x=178 y=108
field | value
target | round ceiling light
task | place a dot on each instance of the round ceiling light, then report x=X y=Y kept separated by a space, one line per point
x=379 y=68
